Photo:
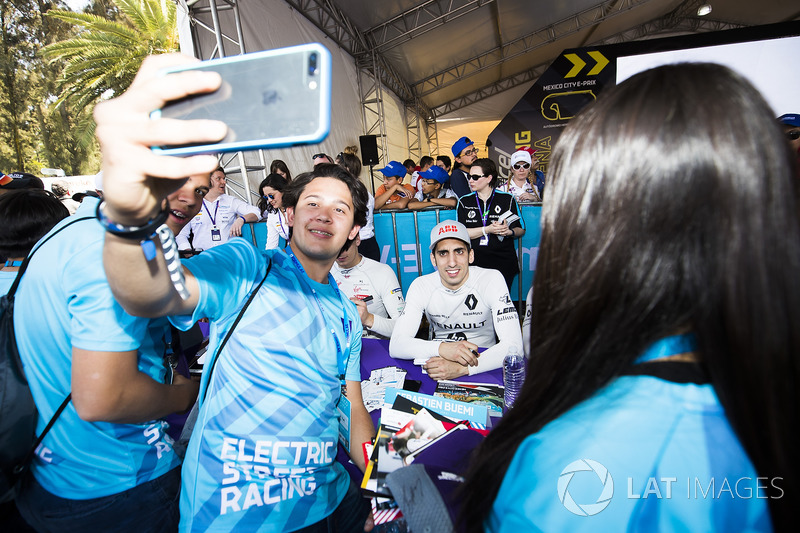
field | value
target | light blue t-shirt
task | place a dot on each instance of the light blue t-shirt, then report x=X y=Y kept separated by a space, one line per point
x=643 y=454
x=63 y=301
x=262 y=455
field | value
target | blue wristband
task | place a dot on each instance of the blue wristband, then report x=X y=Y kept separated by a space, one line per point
x=134 y=233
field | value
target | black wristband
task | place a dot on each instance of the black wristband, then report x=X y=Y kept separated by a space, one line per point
x=134 y=233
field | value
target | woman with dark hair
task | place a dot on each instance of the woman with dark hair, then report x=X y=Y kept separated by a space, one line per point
x=26 y=215
x=664 y=351
x=279 y=167
x=369 y=245
x=271 y=206
x=482 y=212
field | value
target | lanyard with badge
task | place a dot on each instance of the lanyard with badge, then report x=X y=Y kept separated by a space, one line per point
x=215 y=233
x=485 y=239
x=343 y=406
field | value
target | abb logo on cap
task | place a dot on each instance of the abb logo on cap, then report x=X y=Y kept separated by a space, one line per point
x=447 y=229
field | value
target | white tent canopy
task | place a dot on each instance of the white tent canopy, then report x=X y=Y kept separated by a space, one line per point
x=447 y=67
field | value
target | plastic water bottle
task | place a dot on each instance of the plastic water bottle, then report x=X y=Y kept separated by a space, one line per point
x=513 y=376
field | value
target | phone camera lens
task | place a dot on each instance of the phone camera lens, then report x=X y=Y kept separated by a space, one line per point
x=312 y=64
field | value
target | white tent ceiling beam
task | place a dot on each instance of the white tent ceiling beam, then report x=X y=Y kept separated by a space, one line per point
x=683 y=19
x=522 y=45
x=651 y=29
x=419 y=20
x=334 y=23
x=499 y=86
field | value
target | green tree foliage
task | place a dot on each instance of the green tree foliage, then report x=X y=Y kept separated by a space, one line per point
x=46 y=101
x=106 y=54
x=17 y=57
x=33 y=132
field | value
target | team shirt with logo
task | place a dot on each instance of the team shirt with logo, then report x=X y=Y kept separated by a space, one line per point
x=224 y=212
x=480 y=311
x=498 y=254
x=376 y=280
x=263 y=453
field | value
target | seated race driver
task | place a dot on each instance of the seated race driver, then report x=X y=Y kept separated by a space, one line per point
x=468 y=308
x=372 y=286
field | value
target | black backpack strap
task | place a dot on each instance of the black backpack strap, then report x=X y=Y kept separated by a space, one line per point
x=20 y=468
x=233 y=326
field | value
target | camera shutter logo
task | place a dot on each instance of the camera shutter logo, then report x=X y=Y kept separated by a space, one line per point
x=585 y=509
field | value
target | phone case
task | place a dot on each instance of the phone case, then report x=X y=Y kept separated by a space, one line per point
x=268 y=99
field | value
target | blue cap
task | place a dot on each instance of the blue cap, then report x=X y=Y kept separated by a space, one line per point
x=790 y=119
x=460 y=144
x=394 y=169
x=435 y=173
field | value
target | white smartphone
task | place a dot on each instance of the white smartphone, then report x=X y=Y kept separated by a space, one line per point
x=268 y=99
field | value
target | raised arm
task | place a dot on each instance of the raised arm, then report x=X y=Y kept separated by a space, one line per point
x=382 y=197
x=136 y=181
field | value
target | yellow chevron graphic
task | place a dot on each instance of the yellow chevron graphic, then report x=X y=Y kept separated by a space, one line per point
x=577 y=65
x=601 y=62
x=599 y=59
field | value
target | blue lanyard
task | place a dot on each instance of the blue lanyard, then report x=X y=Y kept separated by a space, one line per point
x=667 y=346
x=341 y=358
x=280 y=221
x=216 y=207
x=486 y=206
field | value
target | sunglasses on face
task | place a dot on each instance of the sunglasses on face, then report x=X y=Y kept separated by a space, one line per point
x=475 y=177
x=319 y=156
x=793 y=135
x=474 y=151
x=518 y=166
x=268 y=197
